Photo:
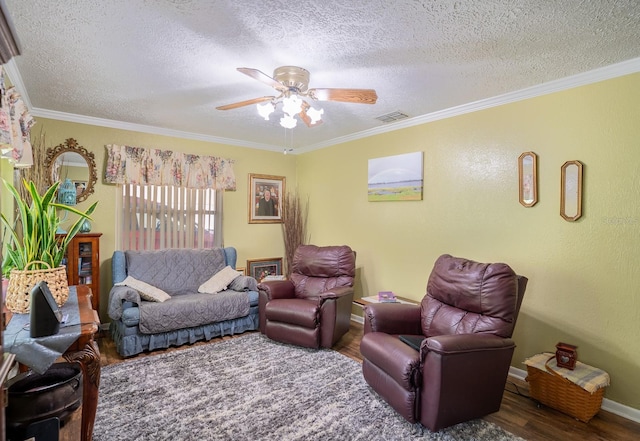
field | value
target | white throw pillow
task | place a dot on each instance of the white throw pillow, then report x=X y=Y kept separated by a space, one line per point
x=219 y=281
x=147 y=292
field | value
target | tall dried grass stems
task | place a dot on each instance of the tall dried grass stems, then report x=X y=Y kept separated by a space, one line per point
x=37 y=173
x=294 y=225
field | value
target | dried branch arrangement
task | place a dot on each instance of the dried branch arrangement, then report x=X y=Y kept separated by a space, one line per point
x=37 y=173
x=294 y=225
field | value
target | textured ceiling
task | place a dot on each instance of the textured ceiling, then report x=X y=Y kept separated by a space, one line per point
x=168 y=63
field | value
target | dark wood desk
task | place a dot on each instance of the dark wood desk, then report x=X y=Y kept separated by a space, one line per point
x=85 y=352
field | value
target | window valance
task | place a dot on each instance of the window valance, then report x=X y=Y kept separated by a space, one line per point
x=138 y=165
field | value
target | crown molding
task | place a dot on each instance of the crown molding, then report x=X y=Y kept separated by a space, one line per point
x=114 y=124
x=570 y=82
x=582 y=79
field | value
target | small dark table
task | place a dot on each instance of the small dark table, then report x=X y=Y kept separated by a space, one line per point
x=85 y=352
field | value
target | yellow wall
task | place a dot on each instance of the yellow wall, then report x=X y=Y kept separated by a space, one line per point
x=252 y=241
x=583 y=276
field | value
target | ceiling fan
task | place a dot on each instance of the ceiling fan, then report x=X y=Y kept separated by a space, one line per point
x=293 y=84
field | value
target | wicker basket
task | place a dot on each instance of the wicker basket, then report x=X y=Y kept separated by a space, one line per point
x=21 y=282
x=555 y=391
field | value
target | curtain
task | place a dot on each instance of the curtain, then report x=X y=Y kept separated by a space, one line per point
x=160 y=217
x=15 y=126
x=218 y=240
x=145 y=166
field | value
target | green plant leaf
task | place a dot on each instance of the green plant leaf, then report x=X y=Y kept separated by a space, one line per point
x=40 y=222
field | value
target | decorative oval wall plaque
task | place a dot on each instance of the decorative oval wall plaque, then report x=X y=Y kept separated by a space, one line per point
x=571 y=191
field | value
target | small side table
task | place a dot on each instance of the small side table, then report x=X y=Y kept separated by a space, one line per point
x=575 y=392
x=374 y=299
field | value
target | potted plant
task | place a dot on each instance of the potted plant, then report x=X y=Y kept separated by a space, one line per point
x=35 y=253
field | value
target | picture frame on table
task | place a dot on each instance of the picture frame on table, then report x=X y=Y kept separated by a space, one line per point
x=261 y=268
x=266 y=193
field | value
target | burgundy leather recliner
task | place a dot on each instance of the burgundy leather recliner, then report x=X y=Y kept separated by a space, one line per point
x=312 y=308
x=466 y=318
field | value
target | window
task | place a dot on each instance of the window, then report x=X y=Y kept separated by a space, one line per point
x=156 y=217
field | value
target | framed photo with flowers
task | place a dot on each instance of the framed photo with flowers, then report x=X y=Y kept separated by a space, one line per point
x=261 y=268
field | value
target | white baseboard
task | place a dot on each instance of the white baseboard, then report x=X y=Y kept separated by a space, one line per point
x=610 y=406
x=357 y=319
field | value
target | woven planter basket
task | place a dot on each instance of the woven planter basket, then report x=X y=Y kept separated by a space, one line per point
x=21 y=282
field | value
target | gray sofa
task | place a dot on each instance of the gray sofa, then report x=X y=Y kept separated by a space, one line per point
x=188 y=316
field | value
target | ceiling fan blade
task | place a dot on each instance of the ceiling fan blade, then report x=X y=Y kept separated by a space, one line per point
x=262 y=77
x=362 y=96
x=245 y=103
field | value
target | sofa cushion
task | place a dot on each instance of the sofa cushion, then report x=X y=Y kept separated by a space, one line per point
x=219 y=281
x=147 y=292
x=174 y=270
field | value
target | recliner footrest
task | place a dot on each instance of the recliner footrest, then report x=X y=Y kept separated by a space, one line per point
x=294 y=311
x=397 y=359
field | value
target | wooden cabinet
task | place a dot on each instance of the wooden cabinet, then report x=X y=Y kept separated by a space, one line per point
x=83 y=263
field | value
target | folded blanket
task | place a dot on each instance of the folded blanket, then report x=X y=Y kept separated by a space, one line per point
x=118 y=295
x=587 y=377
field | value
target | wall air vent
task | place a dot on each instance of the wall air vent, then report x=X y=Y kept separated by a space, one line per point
x=391 y=117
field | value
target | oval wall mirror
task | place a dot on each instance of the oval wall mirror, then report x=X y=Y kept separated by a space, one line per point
x=72 y=161
x=571 y=191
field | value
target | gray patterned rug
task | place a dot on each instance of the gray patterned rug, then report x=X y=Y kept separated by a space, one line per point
x=251 y=388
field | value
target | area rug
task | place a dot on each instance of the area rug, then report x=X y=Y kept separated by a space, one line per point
x=251 y=388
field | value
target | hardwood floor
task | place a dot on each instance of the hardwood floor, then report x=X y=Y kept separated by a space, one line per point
x=518 y=414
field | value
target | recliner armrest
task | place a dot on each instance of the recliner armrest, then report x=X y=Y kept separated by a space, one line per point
x=461 y=343
x=277 y=289
x=394 y=318
x=337 y=292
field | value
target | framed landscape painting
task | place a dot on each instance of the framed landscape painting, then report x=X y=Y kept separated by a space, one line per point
x=395 y=178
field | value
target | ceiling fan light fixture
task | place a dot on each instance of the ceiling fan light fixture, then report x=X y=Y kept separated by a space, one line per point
x=266 y=109
x=288 y=121
x=292 y=105
x=292 y=83
x=315 y=114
